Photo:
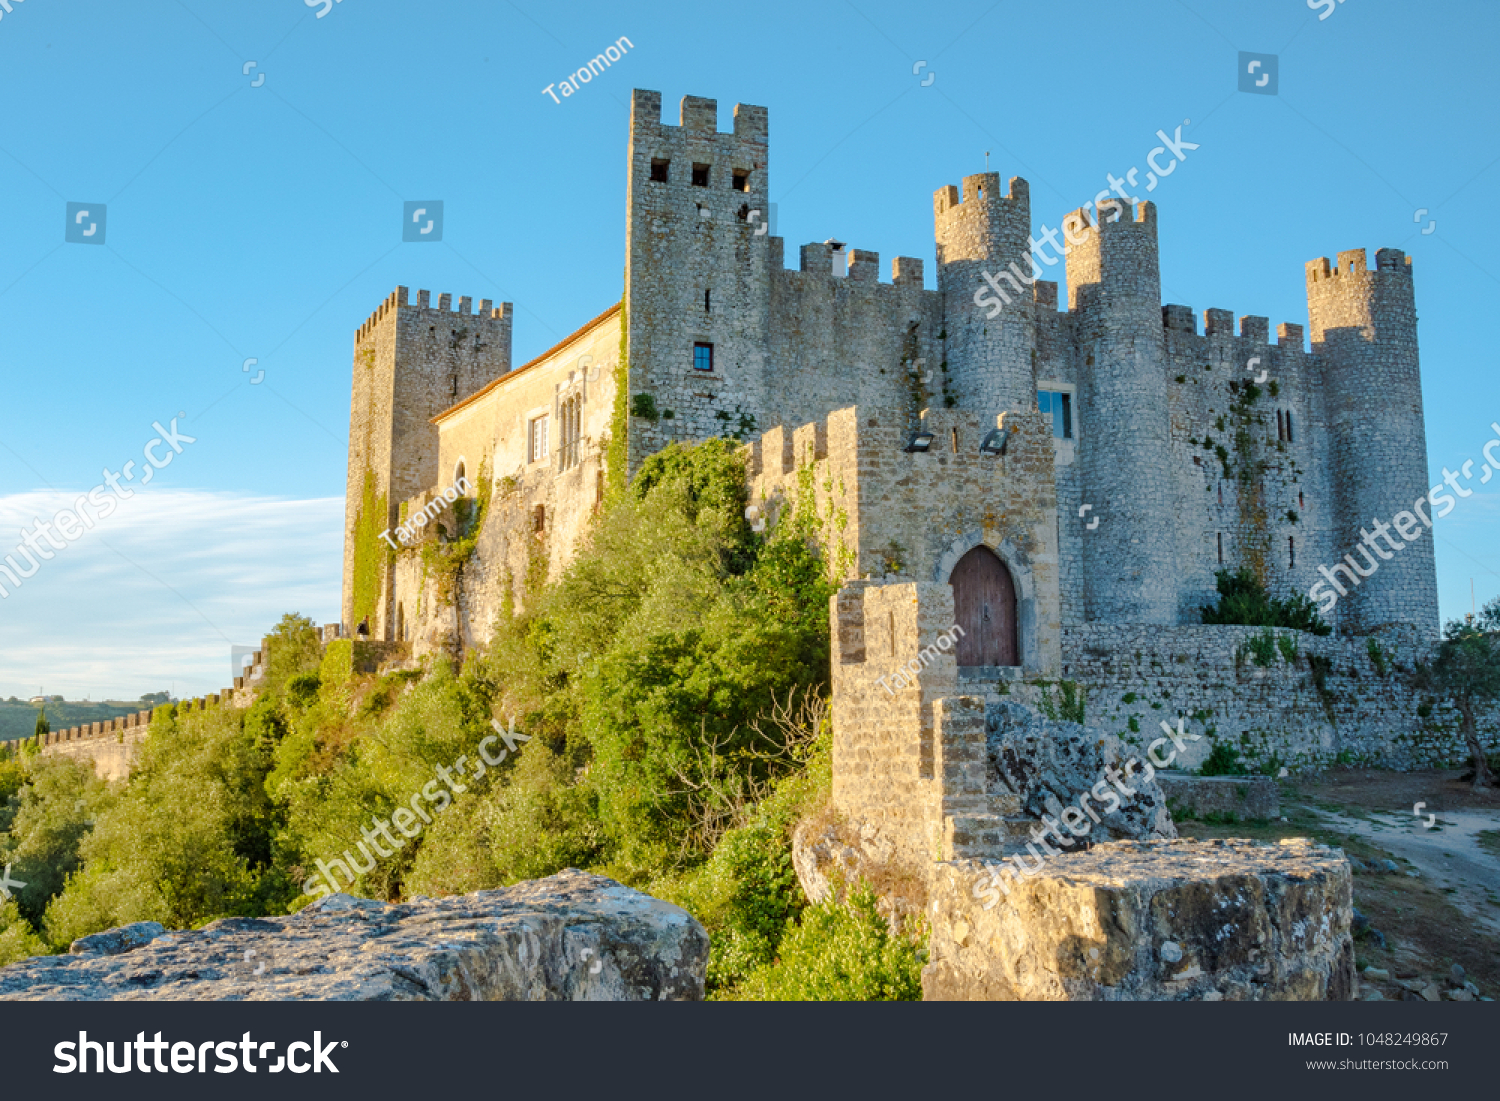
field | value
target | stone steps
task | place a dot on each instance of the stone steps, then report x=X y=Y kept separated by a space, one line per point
x=979 y=836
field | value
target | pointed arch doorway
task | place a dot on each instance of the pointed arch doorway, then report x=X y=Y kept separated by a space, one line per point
x=984 y=603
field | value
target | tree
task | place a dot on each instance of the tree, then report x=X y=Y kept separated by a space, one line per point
x=1467 y=671
x=43 y=728
x=152 y=699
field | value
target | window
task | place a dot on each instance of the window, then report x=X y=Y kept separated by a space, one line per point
x=708 y=300
x=1290 y=438
x=458 y=473
x=1280 y=425
x=1300 y=503
x=1058 y=404
x=703 y=356
x=659 y=170
x=537 y=439
x=741 y=181
x=454 y=391
x=1221 y=493
x=1291 y=552
x=1221 y=548
x=539 y=519
x=700 y=175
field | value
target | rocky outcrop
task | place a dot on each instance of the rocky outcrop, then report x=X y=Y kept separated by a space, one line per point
x=831 y=856
x=1146 y=921
x=570 y=937
x=1050 y=765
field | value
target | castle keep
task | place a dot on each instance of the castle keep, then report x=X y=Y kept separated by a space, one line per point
x=1139 y=455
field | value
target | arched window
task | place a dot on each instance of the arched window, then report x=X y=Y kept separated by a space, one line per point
x=459 y=474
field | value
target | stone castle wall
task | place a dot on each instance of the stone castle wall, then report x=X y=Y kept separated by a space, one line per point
x=1270 y=716
x=888 y=513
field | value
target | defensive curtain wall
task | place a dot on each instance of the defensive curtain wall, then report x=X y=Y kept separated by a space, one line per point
x=113 y=746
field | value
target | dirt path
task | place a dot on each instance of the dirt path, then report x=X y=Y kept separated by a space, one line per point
x=1448 y=856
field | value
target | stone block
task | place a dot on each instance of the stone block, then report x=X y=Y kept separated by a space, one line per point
x=1245 y=798
x=1147 y=921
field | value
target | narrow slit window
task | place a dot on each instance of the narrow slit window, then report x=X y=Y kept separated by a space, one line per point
x=1280 y=425
x=708 y=300
x=1290 y=436
x=1221 y=548
x=955 y=440
x=1291 y=552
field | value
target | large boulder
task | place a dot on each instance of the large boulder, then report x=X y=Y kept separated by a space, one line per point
x=1050 y=764
x=570 y=937
x=1222 y=920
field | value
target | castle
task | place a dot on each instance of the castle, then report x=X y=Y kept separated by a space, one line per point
x=1092 y=466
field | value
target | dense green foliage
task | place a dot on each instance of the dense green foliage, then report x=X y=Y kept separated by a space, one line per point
x=667 y=691
x=1244 y=600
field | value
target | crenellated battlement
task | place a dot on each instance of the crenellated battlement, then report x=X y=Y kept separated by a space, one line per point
x=398 y=299
x=697 y=115
x=977 y=191
x=1352 y=262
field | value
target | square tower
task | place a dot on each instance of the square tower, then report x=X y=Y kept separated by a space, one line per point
x=697 y=278
x=411 y=361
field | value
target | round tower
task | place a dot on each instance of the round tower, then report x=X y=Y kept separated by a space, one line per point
x=1122 y=423
x=985 y=272
x=1364 y=330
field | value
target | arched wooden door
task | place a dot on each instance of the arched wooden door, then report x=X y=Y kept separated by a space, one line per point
x=984 y=598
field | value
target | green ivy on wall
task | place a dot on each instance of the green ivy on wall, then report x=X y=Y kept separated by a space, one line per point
x=371 y=553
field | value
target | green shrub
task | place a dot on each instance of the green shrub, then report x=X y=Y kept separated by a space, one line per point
x=1287 y=644
x=1262 y=648
x=841 y=952
x=1244 y=600
x=1222 y=761
x=1377 y=657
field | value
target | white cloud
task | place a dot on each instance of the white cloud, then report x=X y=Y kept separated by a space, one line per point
x=160 y=590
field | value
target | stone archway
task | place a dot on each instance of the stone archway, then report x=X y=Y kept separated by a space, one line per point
x=985 y=607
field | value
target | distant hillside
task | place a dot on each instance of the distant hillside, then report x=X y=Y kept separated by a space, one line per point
x=18 y=720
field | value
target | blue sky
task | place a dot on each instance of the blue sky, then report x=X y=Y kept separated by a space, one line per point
x=263 y=221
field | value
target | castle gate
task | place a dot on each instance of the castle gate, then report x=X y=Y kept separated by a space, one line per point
x=984 y=602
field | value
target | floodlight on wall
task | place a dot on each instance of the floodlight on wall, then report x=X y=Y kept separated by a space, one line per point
x=996 y=442
x=919 y=442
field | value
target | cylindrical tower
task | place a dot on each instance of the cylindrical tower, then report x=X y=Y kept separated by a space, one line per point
x=1122 y=424
x=1364 y=329
x=990 y=332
